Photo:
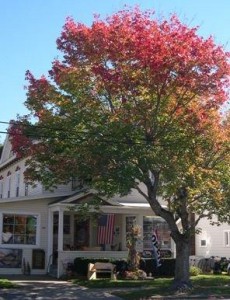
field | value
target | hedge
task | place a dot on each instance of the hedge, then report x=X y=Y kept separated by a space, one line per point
x=148 y=265
x=167 y=267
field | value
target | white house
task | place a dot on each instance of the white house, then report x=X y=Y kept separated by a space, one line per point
x=43 y=228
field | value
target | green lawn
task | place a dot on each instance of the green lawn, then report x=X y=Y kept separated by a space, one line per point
x=6 y=284
x=204 y=286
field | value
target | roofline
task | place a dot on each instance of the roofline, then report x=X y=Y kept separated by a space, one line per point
x=36 y=197
x=9 y=162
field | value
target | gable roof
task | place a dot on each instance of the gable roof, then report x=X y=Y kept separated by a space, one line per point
x=7 y=157
x=83 y=196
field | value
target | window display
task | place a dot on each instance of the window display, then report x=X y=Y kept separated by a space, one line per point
x=19 y=229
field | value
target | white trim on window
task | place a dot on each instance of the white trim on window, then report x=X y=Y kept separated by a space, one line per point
x=8 y=186
x=17 y=182
x=203 y=243
x=1 y=188
x=26 y=189
x=20 y=213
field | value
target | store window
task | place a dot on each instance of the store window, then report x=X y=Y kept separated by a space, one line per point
x=19 y=229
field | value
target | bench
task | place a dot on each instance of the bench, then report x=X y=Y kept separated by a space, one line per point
x=101 y=267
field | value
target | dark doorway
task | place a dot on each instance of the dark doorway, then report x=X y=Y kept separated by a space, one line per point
x=81 y=236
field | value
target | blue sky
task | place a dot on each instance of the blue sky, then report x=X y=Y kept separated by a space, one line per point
x=29 y=29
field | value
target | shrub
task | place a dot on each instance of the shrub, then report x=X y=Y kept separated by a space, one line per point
x=167 y=267
x=194 y=271
x=147 y=265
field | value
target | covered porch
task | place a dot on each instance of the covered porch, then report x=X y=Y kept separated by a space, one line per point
x=69 y=237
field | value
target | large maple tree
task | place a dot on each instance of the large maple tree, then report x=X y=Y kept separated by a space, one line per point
x=135 y=100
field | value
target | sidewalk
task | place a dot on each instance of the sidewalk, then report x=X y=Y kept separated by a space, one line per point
x=47 y=288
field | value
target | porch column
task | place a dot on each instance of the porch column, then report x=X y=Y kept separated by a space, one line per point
x=50 y=238
x=60 y=240
x=60 y=229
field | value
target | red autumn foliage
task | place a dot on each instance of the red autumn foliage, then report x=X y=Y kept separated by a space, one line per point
x=138 y=64
x=19 y=141
x=130 y=43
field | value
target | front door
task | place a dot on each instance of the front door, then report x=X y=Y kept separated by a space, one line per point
x=81 y=235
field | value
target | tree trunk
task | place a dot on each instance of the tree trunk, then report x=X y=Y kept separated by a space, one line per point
x=181 y=278
x=182 y=240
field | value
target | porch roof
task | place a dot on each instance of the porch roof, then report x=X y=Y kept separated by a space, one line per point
x=133 y=200
x=122 y=205
x=80 y=196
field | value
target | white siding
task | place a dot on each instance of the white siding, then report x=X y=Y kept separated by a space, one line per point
x=37 y=190
x=37 y=207
x=7 y=154
x=214 y=237
x=61 y=189
x=12 y=169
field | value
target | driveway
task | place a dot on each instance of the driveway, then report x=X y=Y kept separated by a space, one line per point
x=52 y=289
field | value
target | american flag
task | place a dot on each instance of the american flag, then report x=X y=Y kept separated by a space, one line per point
x=105 y=229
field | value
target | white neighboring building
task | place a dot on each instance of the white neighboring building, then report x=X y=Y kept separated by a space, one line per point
x=213 y=240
